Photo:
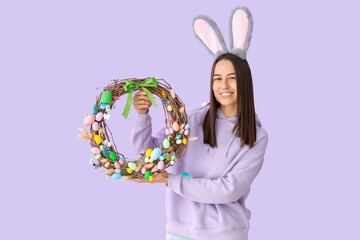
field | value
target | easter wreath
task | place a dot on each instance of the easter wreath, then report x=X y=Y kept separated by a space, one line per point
x=154 y=160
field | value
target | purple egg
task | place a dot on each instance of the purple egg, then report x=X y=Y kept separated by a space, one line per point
x=161 y=165
x=99 y=116
x=95 y=126
x=117 y=170
x=171 y=130
x=186 y=132
x=143 y=170
x=167 y=131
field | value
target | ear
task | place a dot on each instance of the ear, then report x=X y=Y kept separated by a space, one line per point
x=209 y=34
x=241 y=26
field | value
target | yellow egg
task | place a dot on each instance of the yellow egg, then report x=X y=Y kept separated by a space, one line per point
x=168 y=157
x=148 y=152
x=151 y=178
x=129 y=170
x=169 y=108
x=150 y=160
x=100 y=130
x=184 y=141
x=97 y=139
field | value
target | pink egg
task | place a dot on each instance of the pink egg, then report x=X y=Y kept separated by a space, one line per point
x=161 y=165
x=95 y=150
x=186 y=132
x=175 y=126
x=167 y=131
x=121 y=162
x=171 y=131
x=89 y=119
x=95 y=126
x=99 y=116
x=143 y=170
x=107 y=106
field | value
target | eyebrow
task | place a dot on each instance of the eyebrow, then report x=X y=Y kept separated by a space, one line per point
x=220 y=75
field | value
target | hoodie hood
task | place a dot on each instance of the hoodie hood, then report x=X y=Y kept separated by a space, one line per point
x=220 y=115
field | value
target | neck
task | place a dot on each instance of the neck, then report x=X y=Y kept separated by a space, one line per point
x=228 y=111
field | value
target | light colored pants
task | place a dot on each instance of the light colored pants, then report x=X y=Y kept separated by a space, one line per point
x=173 y=236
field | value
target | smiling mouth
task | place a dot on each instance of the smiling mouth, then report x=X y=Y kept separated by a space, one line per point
x=226 y=94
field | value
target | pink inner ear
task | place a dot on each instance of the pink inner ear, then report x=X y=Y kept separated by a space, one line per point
x=207 y=34
x=240 y=27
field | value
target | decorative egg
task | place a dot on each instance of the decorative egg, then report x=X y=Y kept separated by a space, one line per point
x=163 y=94
x=171 y=130
x=182 y=131
x=105 y=152
x=172 y=162
x=182 y=109
x=155 y=154
x=178 y=137
x=95 y=150
x=166 y=143
x=175 y=126
x=89 y=119
x=107 y=116
x=167 y=132
x=165 y=155
x=132 y=165
x=171 y=120
x=186 y=132
x=102 y=105
x=106 y=142
x=161 y=165
x=98 y=156
x=169 y=108
x=121 y=162
x=168 y=157
x=172 y=93
x=146 y=160
x=122 y=158
x=116 y=176
x=109 y=144
x=184 y=141
x=112 y=156
x=117 y=170
x=143 y=170
x=161 y=158
x=173 y=157
x=148 y=152
x=95 y=110
x=108 y=106
x=147 y=175
x=129 y=170
x=186 y=174
x=117 y=165
x=99 y=116
x=110 y=171
x=182 y=126
x=91 y=161
x=107 y=164
x=116 y=98
x=187 y=126
x=97 y=139
x=100 y=131
x=151 y=178
x=150 y=160
x=178 y=141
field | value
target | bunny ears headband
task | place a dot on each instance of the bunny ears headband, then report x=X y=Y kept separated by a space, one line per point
x=241 y=26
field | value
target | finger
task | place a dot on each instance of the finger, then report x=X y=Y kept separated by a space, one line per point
x=138 y=98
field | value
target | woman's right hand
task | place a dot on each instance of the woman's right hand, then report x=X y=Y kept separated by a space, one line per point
x=141 y=102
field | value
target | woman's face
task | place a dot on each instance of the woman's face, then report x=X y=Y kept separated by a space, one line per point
x=224 y=84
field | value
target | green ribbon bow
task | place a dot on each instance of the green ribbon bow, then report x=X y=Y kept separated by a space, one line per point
x=131 y=86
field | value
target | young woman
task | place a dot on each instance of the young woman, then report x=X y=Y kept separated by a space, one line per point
x=223 y=162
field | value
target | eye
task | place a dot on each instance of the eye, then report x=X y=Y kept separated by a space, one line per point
x=217 y=79
x=232 y=77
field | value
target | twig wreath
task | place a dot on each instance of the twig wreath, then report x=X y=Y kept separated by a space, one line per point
x=154 y=160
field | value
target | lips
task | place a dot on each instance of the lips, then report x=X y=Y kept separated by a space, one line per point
x=226 y=93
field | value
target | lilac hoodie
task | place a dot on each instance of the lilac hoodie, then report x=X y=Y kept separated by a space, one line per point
x=211 y=204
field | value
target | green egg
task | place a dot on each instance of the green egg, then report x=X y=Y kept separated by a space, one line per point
x=132 y=165
x=98 y=156
x=166 y=143
x=147 y=175
x=112 y=156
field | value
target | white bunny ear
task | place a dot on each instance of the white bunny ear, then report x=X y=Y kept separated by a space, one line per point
x=241 y=26
x=209 y=34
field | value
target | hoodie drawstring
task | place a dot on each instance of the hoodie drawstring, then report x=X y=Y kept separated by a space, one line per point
x=228 y=147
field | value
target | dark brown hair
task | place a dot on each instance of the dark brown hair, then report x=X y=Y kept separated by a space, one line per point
x=245 y=127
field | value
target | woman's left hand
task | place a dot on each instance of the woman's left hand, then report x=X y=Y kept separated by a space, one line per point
x=161 y=177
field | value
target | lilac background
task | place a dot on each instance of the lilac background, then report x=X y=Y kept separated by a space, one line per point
x=56 y=56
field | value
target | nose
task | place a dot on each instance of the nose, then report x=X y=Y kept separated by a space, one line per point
x=224 y=84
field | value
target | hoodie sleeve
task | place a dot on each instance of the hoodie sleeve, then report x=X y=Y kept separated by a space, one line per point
x=141 y=135
x=228 y=188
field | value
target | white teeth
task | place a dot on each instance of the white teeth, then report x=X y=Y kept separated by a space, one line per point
x=225 y=94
